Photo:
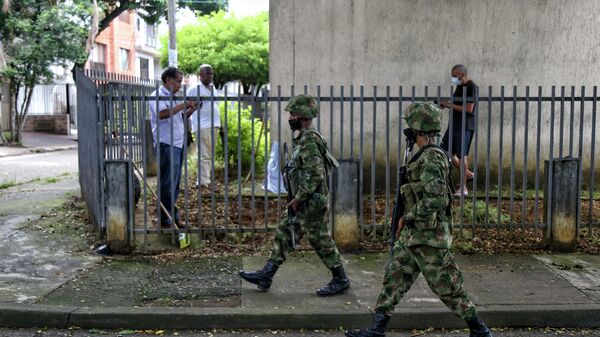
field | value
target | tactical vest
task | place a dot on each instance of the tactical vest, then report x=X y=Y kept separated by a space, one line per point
x=412 y=192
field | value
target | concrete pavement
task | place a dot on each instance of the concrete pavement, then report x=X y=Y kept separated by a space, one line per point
x=542 y=290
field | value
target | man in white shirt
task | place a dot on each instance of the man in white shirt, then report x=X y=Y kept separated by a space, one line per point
x=168 y=132
x=205 y=121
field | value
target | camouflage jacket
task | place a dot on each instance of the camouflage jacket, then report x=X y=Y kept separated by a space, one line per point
x=308 y=164
x=427 y=199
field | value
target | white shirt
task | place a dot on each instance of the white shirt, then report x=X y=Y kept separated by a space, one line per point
x=164 y=125
x=206 y=110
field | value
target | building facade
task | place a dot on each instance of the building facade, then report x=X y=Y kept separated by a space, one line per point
x=129 y=46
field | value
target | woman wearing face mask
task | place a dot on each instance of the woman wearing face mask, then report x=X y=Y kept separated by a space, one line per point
x=458 y=152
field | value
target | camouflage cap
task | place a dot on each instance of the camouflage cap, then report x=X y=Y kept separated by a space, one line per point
x=303 y=105
x=423 y=116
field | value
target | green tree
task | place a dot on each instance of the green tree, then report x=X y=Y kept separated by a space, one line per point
x=237 y=48
x=36 y=35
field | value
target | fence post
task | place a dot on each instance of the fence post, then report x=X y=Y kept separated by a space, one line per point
x=117 y=205
x=345 y=193
x=562 y=178
x=151 y=167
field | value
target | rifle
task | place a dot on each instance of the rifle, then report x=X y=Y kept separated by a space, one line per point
x=402 y=180
x=290 y=196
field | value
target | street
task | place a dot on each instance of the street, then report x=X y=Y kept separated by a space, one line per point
x=20 y=169
x=548 y=332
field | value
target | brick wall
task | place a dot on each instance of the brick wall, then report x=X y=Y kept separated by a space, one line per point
x=56 y=124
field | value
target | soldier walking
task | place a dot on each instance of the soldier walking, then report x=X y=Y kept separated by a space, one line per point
x=308 y=208
x=424 y=230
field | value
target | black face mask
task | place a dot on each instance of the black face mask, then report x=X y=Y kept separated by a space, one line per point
x=411 y=137
x=294 y=124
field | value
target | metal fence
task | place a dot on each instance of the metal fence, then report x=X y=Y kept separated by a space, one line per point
x=50 y=99
x=514 y=134
x=90 y=149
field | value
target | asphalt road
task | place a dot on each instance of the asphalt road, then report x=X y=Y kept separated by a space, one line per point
x=264 y=333
x=20 y=169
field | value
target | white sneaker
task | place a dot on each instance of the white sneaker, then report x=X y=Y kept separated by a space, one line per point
x=462 y=192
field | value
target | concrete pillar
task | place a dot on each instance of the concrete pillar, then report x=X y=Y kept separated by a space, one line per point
x=151 y=168
x=119 y=214
x=345 y=193
x=561 y=193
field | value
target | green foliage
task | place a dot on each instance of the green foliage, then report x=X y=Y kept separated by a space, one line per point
x=478 y=216
x=240 y=126
x=38 y=34
x=246 y=141
x=237 y=48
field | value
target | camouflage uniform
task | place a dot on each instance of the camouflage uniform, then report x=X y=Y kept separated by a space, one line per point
x=424 y=243
x=310 y=187
x=425 y=239
x=307 y=173
x=424 y=246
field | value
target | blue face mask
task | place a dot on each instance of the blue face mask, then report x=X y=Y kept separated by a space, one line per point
x=455 y=80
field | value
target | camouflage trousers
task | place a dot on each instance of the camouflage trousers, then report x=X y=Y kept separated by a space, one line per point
x=312 y=220
x=440 y=271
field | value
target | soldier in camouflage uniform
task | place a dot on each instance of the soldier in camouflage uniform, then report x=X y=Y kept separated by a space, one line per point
x=424 y=231
x=310 y=163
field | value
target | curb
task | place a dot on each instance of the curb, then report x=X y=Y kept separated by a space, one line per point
x=28 y=316
x=34 y=150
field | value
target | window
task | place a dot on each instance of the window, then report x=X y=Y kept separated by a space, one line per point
x=98 y=59
x=99 y=53
x=124 y=58
x=151 y=35
x=144 y=68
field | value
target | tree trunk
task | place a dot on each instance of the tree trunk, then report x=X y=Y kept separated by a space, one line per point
x=20 y=120
x=14 y=96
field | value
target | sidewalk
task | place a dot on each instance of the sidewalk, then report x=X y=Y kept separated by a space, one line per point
x=543 y=290
x=35 y=142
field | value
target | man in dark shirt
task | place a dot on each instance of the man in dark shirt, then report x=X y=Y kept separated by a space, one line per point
x=455 y=131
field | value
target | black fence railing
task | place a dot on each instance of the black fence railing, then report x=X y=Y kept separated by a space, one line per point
x=513 y=135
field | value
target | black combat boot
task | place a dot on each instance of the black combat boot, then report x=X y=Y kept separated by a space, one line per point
x=478 y=328
x=262 y=278
x=338 y=284
x=376 y=329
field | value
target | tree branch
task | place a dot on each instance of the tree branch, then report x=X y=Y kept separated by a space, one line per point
x=114 y=14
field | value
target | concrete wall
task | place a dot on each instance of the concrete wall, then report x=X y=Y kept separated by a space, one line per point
x=415 y=43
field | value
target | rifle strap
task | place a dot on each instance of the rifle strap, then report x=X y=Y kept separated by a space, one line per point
x=330 y=162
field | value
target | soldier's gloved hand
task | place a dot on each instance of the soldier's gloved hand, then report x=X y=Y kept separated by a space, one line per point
x=294 y=205
x=400 y=227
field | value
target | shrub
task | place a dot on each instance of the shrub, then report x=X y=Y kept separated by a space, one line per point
x=239 y=124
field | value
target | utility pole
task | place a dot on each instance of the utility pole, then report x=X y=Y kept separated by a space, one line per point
x=172 y=33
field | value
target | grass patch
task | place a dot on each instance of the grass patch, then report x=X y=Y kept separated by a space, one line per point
x=51 y=180
x=7 y=184
x=477 y=214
